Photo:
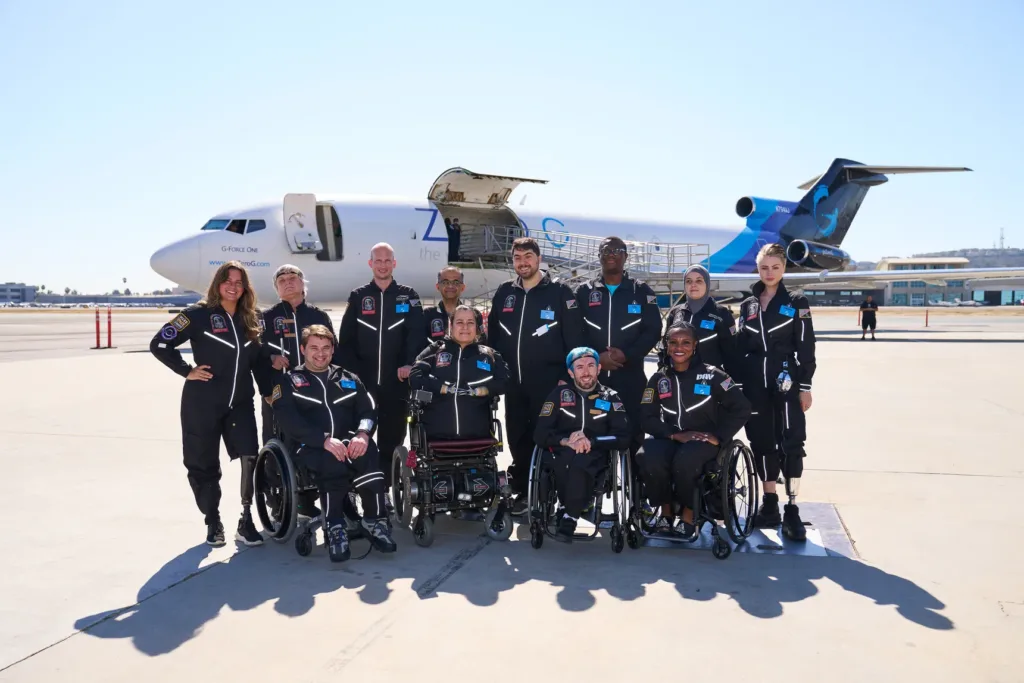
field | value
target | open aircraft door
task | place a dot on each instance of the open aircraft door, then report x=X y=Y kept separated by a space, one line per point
x=460 y=187
x=300 y=223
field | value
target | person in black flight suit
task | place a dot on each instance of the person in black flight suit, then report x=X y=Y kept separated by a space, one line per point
x=689 y=408
x=716 y=327
x=436 y=319
x=329 y=419
x=533 y=322
x=578 y=425
x=379 y=333
x=775 y=338
x=462 y=375
x=621 y=316
x=282 y=334
x=217 y=398
x=868 y=309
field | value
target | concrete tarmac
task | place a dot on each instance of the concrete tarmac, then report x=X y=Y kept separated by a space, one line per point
x=912 y=447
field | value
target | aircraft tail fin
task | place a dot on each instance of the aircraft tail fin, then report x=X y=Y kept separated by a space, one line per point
x=825 y=212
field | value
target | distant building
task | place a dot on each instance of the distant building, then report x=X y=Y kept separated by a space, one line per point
x=918 y=292
x=17 y=292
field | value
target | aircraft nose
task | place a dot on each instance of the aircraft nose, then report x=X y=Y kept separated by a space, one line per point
x=178 y=262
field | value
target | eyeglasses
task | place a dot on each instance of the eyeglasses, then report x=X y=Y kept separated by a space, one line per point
x=450 y=283
x=613 y=251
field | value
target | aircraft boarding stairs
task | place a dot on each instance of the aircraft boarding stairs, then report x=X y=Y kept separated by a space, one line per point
x=574 y=258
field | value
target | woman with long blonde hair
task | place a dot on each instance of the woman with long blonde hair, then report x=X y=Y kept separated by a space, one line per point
x=217 y=397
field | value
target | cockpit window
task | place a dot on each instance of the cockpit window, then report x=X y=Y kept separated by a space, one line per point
x=255 y=225
x=216 y=224
x=237 y=226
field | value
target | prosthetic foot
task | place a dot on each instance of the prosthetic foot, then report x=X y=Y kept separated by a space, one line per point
x=337 y=543
x=246 y=532
x=768 y=516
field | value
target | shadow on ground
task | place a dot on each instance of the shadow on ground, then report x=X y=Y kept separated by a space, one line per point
x=171 y=611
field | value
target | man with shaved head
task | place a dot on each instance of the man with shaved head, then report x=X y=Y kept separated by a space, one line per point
x=379 y=339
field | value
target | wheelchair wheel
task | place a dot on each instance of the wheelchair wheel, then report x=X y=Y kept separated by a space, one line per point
x=423 y=531
x=536 y=535
x=401 y=487
x=721 y=549
x=498 y=529
x=532 y=482
x=304 y=543
x=275 y=490
x=740 y=488
x=617 y=540
x=632 y=537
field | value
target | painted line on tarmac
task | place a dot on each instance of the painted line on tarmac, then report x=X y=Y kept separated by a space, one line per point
x=458 y=561
x=930 y=474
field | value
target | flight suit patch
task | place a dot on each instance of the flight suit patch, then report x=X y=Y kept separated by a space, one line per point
x=168 y=332
x=444 y=359
x=570 y=303
x=436 y=327
x=618 y=407
x=664 y=388
x=181 y=322
x=652 y=299
x=275 y=394
x=510 y=304
x=369 y=306
x=217 y=323
x=547 y=409
x=300 y=381
x=805 y=313
x=568 y=398
x=281 y=325
x=648 y=396
x=595 y=297
x=727 y=384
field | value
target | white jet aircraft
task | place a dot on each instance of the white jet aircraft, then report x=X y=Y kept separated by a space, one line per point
x=330 y=238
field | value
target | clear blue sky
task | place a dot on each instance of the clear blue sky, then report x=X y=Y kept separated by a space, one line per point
x=125 y=125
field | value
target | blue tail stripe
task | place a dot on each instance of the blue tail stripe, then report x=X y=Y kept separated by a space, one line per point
x=738 y=255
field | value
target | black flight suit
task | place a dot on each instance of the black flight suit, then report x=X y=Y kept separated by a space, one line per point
x=379 y=333
x=314 y=406
x=533 y=331
x=700 y=399
x=716 y=332
x=776 y=339
x=219 y=408
x=435 y=323
x=457 y=415
x=602 y=417
x=282 y=336
x=867 y=316
x=630 y=321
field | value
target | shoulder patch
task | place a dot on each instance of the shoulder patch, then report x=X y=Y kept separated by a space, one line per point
x=180 y=322
x=651 y=299
x=570 y=303
x=299 y=380
x=805 y=313
x=664 y=388
x=618 y=407
x=727 y=384
x=275 y=394
x=561 y=382
x=547 y=408
x=648 y=396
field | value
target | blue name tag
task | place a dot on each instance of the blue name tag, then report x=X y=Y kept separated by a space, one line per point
x=707 y=324
x=787 y=311
x=702 y=389
x=633 y=308
x=348 y=384
x=483 y=365
x=602 y=404
x=547 y=315
x=401 y=308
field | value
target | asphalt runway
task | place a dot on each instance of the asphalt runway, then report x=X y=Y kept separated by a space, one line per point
x=913 y=484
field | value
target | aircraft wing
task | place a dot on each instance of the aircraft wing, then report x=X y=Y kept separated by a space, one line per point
x=863 y=278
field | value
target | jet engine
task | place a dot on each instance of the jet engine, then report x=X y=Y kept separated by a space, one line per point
x=815 y=256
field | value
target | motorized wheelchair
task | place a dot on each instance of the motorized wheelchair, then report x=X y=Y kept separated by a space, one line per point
x=613 y=482
x=727 y=491
x=449 y=476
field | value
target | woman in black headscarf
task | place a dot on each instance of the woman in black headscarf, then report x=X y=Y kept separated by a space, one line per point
x=714 y=323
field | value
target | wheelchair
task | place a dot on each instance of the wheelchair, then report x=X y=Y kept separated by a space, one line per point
x=613 y=482
x=728 y=491
x=449 y=476
x=278 y=483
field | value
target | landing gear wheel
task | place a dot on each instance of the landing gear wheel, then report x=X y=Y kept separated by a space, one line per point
x=632 y=538
x=536 y=535
x=304 y=543
x=617 y=538
x=721 y=549
x=423 y=531
x=504 y=525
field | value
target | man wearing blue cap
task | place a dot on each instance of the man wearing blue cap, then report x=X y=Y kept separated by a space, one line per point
x=577 y=426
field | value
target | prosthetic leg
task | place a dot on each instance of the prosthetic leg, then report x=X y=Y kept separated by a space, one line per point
x=792 y=525
x=246 y=532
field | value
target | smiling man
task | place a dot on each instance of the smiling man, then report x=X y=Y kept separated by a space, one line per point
x=622 y=321
x=450 y=285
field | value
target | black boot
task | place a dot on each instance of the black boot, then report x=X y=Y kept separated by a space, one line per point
x=792 y=526
x=215 y=534
x=246 y=532
x=768 y=516
x=566 y=529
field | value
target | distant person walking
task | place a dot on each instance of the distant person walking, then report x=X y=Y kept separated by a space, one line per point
x=868 y=309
